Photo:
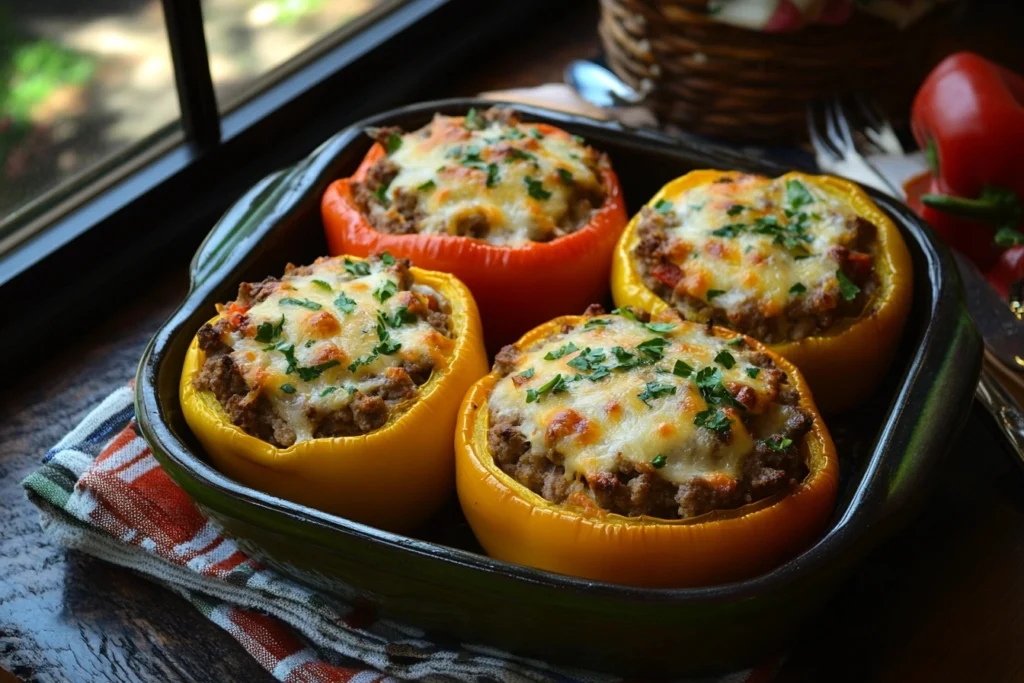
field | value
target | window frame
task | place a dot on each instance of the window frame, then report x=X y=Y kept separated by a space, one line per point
x=104 y=235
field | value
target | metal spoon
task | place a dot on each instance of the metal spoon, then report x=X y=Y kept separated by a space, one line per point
x=598 y=85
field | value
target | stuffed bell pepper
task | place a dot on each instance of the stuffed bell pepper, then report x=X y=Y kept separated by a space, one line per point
x=808 y=265
x=524 y=213
x=647 y=451
x=337 y=386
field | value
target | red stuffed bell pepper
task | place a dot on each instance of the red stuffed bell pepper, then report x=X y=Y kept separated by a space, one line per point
x=969 y=117
x=525 y=214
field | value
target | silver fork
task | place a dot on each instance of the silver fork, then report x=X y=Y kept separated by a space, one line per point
x=833 y=137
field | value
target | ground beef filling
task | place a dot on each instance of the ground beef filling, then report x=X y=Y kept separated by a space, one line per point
x=813 y=313
x=407 y=214
x=633 y=491
x=366 y=411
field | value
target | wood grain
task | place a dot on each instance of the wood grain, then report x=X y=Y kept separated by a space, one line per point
x=940 y=602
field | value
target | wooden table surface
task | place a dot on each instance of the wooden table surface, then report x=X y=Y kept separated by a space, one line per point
x=943 y=601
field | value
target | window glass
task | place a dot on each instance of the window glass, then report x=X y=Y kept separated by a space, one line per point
x=80 y=81
x=248 y=38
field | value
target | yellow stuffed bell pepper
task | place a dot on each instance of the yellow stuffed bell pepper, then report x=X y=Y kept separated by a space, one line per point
x=337 y=387
x=807 y=264
x=590 y=393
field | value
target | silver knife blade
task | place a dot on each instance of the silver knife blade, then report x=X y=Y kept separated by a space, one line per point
x=1002 y=330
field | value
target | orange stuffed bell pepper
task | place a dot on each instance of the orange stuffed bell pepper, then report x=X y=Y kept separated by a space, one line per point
x=809 y=265
x=643 y=451
x=525 y=214
x=337 y=386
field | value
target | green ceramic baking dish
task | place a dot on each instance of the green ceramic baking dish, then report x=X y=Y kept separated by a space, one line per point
x=437 y=578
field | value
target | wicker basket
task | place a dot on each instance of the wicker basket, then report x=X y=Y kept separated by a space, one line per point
x=740 y=84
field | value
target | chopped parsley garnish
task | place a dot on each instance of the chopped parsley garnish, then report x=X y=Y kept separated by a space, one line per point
x=536 y=133
x=730 y=230
x=655 y=390
x=474 y=121
x=305 y=303
x=566 y=177
x=429 y=185
x=555 y=355
x=660 y=328
x=381 y=194
x=328 y=391
x=527 y=374
x=289 y=355
x=659 y=461
x=589 y=359
x=653 y=349
x=345 y=304
x=516 y=153
x=535 y=189
x=797 y=289
x=357 y=268
x=797 y=194
x=472 y=156
x=789 y=236
x=597 y=322
x=752 y=373
x=712 y=293
x=323 y=285
x=385 y=291
x=492 y=175
x=735 y=209
x=715 y=420
x=738 y=341
x=393 y=142
x=387 y=259
x=725 y=359
x=709 y=382
x=364 y=360
x=268 y=331
x=777 y=444
x=513 y=134
x=309 y=342
x=398 y=318
x=663 y=206
x=554 y=386
x=288 y=388
x=625 y=358
x=681 y=369
x=387 y=347
x=310 y=373
x=579 y=140
x=847 y=288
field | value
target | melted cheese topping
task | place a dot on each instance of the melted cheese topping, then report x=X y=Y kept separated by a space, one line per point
x=758 y=242
x=646 y=414
x=517 y=180
x=320 y=338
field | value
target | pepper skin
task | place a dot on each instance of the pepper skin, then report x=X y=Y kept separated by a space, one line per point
x=844 y=367
x=392 y=478
x=516 y=288
x=516 y=525
x=969 y=117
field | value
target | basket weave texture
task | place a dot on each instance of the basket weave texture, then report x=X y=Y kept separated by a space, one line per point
x=735 y=83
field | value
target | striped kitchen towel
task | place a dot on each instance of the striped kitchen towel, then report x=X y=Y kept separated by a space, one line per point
x=100 y=491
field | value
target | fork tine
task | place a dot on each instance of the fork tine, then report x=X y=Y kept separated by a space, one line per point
x=839 y=125
x=819 y=140
x=879 y=130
